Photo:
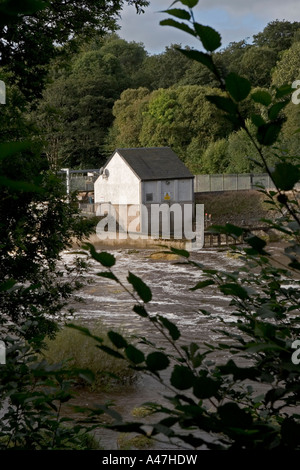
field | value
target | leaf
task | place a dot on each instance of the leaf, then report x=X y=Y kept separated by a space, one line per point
x=233 y=416
x=225 y=104
x=7 y=285
x=117 y=339
x=257 y=120
x=204 y=312
x=134 y=354
x=290 y=432
x=23 y=186
x=157 y=361
x=108 y=275
x=23 y=7
x=128 y=427
x=182 y=377
x=209 y=37
x=267 y=134
x=84 y=331
x=172 y=329
x=259 y=347
x=275 y=394
x=140 y=287
x=106 y=259
x=198 y=56
x=238 y=87
x=110 y=351
x=275 y=109
x=205 y=387
x=262 y=97
x=140 y=310
x=178 y=252
x=201 y=284
x=178 y=13
x=175 y=24
x=100 y=409
x=190 y=3
x=228 y=229
x=239 y=373
x=285 y=176
x=11 y=148
x=257 y=243
x=283 y=91
x=234 y=290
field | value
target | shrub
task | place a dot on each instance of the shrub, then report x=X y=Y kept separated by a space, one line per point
x=80 y=353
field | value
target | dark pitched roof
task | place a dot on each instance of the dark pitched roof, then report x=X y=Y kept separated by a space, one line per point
x=154 y=163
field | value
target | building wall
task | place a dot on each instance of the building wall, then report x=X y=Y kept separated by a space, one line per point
x=122 y=194
x=121 y=186
x=174 y=195
x=171 y=191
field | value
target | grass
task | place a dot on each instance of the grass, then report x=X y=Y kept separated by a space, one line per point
x=128 y=442
x=141 y=411
x=81 y=352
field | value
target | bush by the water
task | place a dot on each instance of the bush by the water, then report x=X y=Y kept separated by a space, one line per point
x=80 y=352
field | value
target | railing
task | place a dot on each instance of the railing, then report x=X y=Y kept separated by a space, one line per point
x=83 y=182
x=231 y=182
x=221 y=239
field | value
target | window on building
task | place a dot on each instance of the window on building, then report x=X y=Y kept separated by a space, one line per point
x=149 y=197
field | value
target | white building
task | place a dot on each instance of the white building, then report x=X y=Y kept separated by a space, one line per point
x=143 y=177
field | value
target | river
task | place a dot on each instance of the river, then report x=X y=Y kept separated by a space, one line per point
x=170 y=282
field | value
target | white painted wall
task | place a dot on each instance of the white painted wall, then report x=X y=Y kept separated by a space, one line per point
x=121 y=187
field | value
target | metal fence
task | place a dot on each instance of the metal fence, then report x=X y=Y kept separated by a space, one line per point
x=79 y=180
x=234 y=182
x=83 y=181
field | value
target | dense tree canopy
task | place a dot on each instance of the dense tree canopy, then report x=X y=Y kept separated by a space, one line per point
x=76 y=111
x=278 y=35
x=174 y=117
x=288 y=67
x=29 y=42
x=113 y=93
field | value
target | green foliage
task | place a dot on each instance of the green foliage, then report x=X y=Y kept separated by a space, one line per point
x=257 y=65
x=76 y=110
x=166 y=69
x=28 y=43
x=37 y=223
x=287 y=68
x=178 y=117
x=33 y=394
x=78 y=352
x=248 y=401
x=98 y=98
x=278 y=35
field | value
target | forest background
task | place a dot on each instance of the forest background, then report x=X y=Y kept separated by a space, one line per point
x=104 y=92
